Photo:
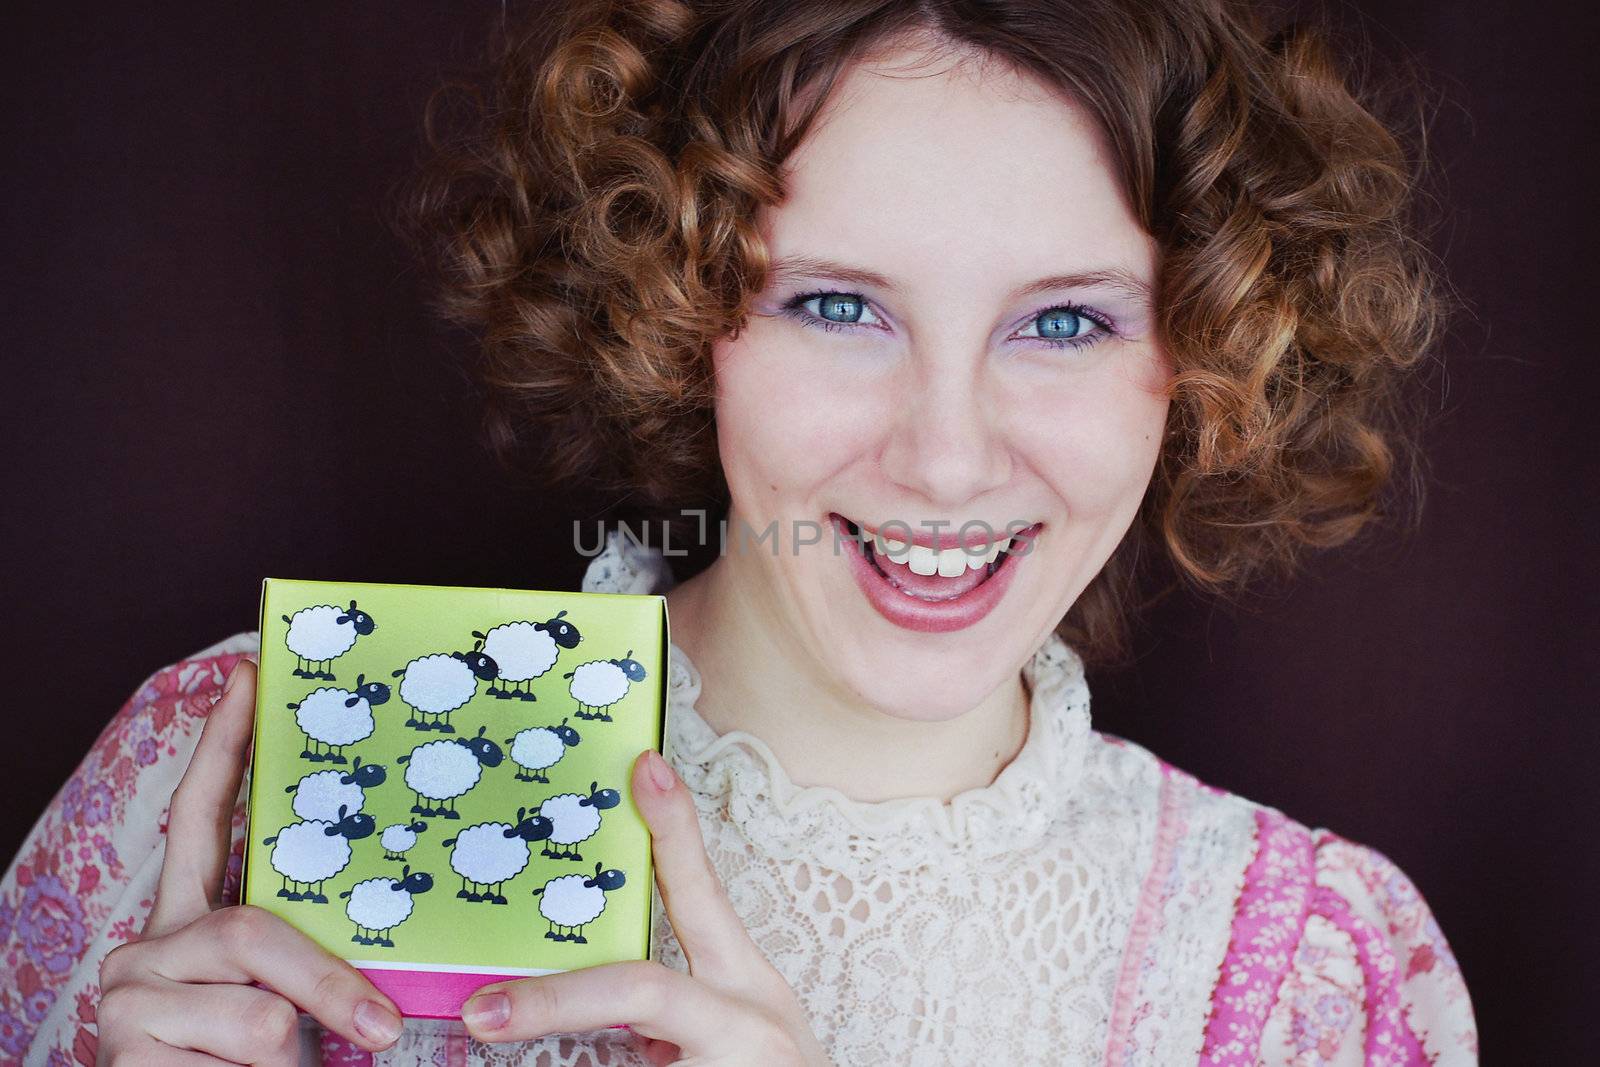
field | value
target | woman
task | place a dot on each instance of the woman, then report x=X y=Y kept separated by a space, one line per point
x=963 y=308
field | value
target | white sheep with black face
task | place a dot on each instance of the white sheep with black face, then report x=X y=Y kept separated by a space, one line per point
x=524 y=651
x=399 y=838
x=378 y=905
x=436 y=685
x=309 y=853
x=444 y=770
x=573 y=901
x=320 y=634
x=576 y=818
x=538 y=748
x=490 y=854
x=599 y=684
x=320 y=794
x=335 y=718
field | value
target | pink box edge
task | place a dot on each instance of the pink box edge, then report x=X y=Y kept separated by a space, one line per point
x=435 y=994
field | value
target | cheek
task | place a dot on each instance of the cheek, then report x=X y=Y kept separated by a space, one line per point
x=784 y=422
x=1095 y=438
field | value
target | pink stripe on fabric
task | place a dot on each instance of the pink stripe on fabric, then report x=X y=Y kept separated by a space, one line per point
x=1171 y=822
x=1390 y=1040
x=1268 y=922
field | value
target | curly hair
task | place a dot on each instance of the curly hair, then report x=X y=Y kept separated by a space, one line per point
x=592 y=215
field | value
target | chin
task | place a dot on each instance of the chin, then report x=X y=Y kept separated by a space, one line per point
x=931 y=657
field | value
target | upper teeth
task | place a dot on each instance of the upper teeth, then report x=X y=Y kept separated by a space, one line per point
x=947 y=563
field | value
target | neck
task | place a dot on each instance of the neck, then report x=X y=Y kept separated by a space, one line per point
x=756 y=677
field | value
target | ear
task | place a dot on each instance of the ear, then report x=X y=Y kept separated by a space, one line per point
x=361 y=680
x=480 y=635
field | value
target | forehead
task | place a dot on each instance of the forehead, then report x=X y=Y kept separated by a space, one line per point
x=920 y=159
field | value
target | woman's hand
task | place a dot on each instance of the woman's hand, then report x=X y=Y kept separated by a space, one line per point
x=732 y=1009
x=182 y=994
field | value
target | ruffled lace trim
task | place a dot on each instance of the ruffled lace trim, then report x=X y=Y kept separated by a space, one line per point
x=822 y=824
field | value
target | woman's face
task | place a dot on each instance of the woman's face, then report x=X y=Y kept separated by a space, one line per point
x=957 y=331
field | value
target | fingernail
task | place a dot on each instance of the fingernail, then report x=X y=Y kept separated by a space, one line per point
x=233 y=676
x=376 y=1022
x=660 y=773
x=487 y=1012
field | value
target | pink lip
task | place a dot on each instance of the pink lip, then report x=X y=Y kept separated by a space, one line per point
x=918 y=535
x=928 y=616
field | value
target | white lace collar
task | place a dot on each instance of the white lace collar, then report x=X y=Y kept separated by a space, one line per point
x=786 y=820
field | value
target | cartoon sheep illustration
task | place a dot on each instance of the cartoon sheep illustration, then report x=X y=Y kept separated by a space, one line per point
x=378 y=905
x=321 y=794
x=599 y=684
x=490 y=854
x=319 y=635
x=334 y=718
x=436 y=685
x=399 y=838
x=576 y=818
x=309 y=853
x=538 y=748
x=444 y=770
x=573 y=901
x=525 y=651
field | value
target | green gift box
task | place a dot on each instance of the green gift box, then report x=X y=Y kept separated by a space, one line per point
x=440 y=782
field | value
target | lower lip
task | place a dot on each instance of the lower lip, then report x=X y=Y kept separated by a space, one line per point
x=928 y=616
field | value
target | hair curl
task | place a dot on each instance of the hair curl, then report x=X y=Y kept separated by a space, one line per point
x=593 y=214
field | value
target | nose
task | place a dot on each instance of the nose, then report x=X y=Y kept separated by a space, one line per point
x=946 y=442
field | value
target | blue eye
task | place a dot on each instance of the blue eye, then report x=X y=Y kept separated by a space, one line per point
x=833 y=311
x=1067 y=326
x=840 y=307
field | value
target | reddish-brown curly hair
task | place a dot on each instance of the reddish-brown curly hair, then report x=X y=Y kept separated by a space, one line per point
x=593 y=213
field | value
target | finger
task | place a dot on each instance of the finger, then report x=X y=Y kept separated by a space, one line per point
x=246 y=944
x=654 y=1001
x=714 y=939
x=199 y=825
x=236 y=1023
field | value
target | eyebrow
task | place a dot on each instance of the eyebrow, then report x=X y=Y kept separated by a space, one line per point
x=1118 y=279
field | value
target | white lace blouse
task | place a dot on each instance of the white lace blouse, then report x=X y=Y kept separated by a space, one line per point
x=1092 y=905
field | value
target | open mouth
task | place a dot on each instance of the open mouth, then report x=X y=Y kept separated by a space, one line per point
x=924 y=587
x=925 y=573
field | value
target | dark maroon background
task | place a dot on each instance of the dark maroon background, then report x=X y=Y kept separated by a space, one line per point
x=217 y=366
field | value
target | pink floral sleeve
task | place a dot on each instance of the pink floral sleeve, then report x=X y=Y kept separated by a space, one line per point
x=84 y=879
x=1372 y=980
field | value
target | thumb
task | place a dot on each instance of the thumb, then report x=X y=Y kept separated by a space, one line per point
x=199 y=826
